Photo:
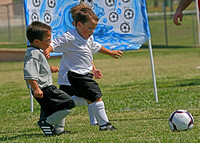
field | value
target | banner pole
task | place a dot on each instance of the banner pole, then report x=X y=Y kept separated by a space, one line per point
x=153 y=70
x=31 y=101
x=198 y=21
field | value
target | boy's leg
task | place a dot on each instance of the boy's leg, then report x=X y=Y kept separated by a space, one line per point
x=42 y=115
x=100 y=114
x=57 y=119
x=93 y=120
x=70 y=91
x=98 y=109
x=89 y=89
x=79 y=101
x=59 y=127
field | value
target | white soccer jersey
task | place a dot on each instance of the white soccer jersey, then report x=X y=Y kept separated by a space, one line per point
x=77 y=53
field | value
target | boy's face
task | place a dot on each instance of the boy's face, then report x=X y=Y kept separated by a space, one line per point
x=44 y=44
x=46 y=41
x=87 y=29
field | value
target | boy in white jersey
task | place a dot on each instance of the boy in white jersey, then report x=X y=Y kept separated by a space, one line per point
x=55 y=103
x=62 y=75
x=78 y=47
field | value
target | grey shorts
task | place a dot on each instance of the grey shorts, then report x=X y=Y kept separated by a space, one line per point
x=85 y=86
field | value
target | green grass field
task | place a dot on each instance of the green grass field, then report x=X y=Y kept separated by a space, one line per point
x=128 y=95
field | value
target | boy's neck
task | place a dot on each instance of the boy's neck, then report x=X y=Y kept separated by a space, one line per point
x=33 y=45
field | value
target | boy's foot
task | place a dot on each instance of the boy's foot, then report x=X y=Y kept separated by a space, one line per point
x=64 y=132
x=106 y=127
x=47 y=128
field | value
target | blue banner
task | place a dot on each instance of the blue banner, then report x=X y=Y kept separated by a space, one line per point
x=123 y=24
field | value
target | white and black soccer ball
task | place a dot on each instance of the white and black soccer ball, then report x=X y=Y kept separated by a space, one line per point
x=128 y=14
x=34 y=17
x=90 y=3
x=124 y=27
x=47 y=18
x=51 y=3
x=36 y=3
x=110 y=2
x=181 y=120
x=113 y=17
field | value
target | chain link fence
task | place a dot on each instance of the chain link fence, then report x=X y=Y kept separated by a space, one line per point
x=12 y=22
x=163 y=32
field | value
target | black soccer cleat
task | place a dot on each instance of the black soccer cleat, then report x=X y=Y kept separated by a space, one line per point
x=106 y=127
x=47 y=128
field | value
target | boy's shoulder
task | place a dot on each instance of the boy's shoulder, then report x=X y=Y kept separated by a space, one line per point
x=70 y=34
x=32 y=52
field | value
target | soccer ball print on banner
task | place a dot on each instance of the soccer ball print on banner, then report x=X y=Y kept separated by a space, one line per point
x=123 y=24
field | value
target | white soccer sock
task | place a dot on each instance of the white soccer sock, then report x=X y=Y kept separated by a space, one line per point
x=79 y=101
x=99 y=112
x=59 y=127
x=93 y=120
x=56 y=117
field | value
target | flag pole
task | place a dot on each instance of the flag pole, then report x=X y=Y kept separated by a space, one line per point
x=198 y=21
x=153 y=70
x=31 y=101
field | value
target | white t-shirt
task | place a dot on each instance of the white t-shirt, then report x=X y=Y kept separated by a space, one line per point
x=77 y=54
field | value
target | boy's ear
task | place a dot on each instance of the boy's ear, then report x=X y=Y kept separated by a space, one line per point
x=36 y=42
x=78 y=24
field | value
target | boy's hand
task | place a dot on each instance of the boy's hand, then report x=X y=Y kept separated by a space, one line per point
x=38 y=93
x=178 y=16
x=47 y=52
x=97 y=74
x=54 y=69
x=116 y=54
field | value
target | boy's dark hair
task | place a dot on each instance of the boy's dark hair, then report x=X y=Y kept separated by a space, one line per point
x=84 y=15
x=37 y=30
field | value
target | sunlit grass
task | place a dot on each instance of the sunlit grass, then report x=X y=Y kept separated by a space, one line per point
x=128 y=95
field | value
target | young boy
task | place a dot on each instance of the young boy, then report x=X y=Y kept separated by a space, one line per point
x=55 y=103
x=77 y=46
x=62 y=75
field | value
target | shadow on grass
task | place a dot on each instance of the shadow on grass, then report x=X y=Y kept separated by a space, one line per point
x=188 y=82
x=146 y=119
x=10 y=138
x=15 y=137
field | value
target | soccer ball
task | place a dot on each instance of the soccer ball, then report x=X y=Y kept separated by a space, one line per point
x=110 y=2
x=113 y=16
x=124 y=27
x=47 y=18
x=90 y=3
x=51 y=3
x=181 y=120
x=128 y=14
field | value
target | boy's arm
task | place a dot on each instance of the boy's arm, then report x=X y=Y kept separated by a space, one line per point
x=115 y=53
x=47 y=52
x=36 y=89
x=179 y=11
x=96 y=72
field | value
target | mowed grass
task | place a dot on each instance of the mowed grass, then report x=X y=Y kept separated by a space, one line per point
x=128 y=95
